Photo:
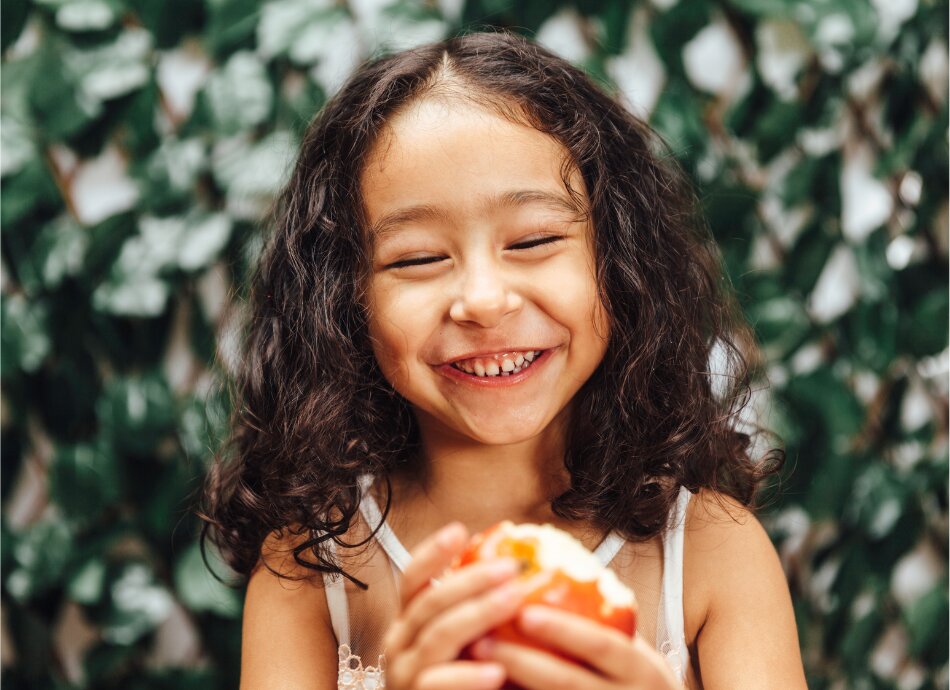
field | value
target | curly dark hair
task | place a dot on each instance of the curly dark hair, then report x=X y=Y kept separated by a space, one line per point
x=311 y=409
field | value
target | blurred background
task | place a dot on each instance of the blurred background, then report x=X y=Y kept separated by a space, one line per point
x=143 y=140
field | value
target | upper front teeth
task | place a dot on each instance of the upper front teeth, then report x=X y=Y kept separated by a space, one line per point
x=498 y=365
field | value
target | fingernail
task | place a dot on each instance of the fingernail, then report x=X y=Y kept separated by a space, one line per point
x=483 y=648
x=508 y=594
x=503 y=569
x=534 y=616
x=492 y=675
x=449 y=535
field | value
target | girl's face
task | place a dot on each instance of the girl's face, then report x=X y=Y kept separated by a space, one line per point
x=481 y=266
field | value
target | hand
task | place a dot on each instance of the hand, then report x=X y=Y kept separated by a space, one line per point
x=437 y=620
x=615 y=662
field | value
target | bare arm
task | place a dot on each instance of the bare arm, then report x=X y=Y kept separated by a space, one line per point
x=287 y=641
x=749 y=638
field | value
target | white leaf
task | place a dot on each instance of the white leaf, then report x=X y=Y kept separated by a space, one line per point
x=562 y=34
x=866 y=203
x=891 y=15
x=100 y=187
x=782 y=51
x=714 y=61
x=140 y=297
x=638 y=71
x=203 y=240
x=16 y=144
x=85 y=15
x=115 y=69
x=241 y=94
x=837 y=287
x=282 y=22
x=252 y=174
x=180 y=74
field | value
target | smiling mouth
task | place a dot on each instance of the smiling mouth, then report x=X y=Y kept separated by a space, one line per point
x=501 y=364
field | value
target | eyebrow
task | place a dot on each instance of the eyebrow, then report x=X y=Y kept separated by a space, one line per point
x=515 y=198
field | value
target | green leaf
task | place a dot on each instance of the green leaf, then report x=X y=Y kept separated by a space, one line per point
x=924 y=330
x=240 y=94
x=137 y=604
x=31 y=191
x=926 y=621
x=822 y=395
x=674 y=28
x=84 y=481
x=41 y=553
x=781 y=325
x=199 y=590
x=58 y=253
x=13 y=15
x=169 y=21
x=87 y=585
x=137 y=412
x=231 y=25
x=58 y=100
x=24 y=338
x=676 y=117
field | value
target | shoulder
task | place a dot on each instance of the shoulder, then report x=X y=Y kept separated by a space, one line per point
x=287 y=639
x=738 y=607
x=722 y=539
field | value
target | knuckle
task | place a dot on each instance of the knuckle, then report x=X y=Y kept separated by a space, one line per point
x=431 y=644
x=562 y=682
x=599 y=646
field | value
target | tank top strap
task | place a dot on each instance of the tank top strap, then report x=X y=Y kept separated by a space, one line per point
x=609 y=547
x=374 y=516
x=674 y=646
x=334 y=587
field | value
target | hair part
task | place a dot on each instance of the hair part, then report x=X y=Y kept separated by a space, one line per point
x=311 y=409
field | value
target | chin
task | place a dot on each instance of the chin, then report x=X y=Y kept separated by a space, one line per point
x=509 y=435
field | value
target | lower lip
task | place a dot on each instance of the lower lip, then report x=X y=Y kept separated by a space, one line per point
x=454 y=374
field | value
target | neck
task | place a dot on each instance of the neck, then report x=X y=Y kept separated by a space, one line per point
x=478 y=485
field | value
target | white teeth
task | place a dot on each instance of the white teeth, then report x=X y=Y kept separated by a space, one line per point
x=509 y=364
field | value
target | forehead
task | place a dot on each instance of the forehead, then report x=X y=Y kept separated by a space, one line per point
x=465 y=160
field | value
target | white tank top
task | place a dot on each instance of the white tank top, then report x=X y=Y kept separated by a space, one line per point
x=361 y=617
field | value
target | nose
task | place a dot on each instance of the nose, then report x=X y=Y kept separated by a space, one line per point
x=485 y=296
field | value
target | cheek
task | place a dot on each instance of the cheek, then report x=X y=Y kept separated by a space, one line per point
x=394 y=332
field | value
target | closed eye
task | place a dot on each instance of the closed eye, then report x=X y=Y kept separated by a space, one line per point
x=537 y=242
x=426 y=260
x=417 y=261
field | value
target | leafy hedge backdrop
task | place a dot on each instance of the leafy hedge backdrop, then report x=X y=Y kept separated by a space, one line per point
x=143 y=139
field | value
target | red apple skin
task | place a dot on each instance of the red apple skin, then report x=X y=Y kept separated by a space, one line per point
x=545 y=587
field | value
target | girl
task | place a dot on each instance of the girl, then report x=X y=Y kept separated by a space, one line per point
x=487 y=297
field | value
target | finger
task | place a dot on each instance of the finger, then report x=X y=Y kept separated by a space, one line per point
x=603 y=648
x=463 y=584
x=464 y=675
x=535 y=669
x=431 y=557
x=444 y=638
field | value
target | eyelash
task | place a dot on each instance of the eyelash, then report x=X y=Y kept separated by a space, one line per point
x=528 y=244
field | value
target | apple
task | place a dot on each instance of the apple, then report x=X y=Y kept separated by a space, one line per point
x=556 y=570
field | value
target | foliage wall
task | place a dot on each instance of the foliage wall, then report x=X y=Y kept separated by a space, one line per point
x=143 y=139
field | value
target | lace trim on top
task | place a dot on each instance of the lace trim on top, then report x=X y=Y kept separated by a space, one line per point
x=352 y=675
